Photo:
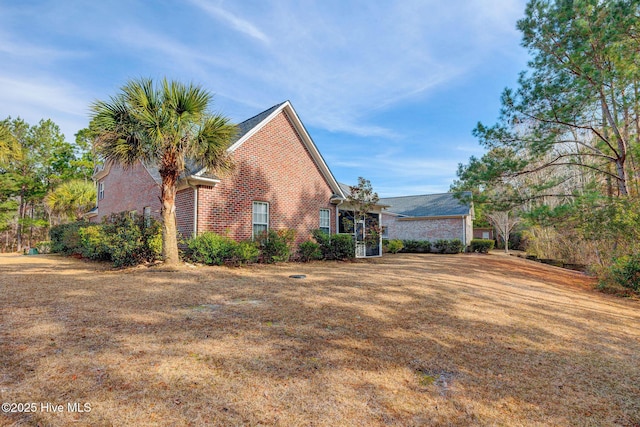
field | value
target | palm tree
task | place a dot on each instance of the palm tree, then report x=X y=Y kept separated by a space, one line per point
x=71 y=199
x=164 y=125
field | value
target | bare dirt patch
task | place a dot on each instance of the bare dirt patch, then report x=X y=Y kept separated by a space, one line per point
x=402 y=340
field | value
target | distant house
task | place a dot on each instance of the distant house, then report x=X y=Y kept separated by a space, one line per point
x=428 y=217
x=483 y=233
x=280 y=181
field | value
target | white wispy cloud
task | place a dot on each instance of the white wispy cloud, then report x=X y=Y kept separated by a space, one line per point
x=43 y=98
x=237 y=23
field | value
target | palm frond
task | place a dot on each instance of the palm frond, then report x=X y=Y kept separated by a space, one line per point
x=209 y=146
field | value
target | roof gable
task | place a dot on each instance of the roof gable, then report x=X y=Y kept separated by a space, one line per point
x=429 y=205
x=251 y=126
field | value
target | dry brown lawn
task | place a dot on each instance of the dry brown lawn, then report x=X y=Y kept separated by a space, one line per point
x=403 y=340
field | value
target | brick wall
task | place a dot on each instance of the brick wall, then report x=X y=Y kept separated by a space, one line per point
x=184 y=211
x=129 y=190
x=272 y=166
x=428 y=229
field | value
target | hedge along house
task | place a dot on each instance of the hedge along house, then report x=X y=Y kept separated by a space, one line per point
x=280 y=180
x=429 y=217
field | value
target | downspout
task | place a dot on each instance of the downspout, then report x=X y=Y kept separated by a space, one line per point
x=195 y=211
x=464 y=231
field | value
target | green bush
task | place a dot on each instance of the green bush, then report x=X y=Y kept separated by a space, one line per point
x=453 y=246
x=245 y=253
x=309 y=251
x=130 y=240
x=65 y=238
x=394 y=246
x=276 y=245
x=439 y=246
x=211 y=248
x=335 y=246
x=95 y=243
x=482 y=245
x=342 y=247
x=625 y=272
x=416 y=246
x=120 y=238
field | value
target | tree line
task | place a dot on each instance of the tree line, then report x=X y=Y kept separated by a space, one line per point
x=44 y=180
x=564 y=155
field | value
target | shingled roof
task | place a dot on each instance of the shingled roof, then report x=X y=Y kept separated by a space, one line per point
x=245 y=129
x=427 y=205
x=246 y=126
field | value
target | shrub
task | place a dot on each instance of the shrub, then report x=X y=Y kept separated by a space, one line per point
x=394 y=246
x=120 y=238
x=482 y=245
x=335 y=246
x=416 y=246
x=342 y=246
x=246 y=252
x=275 y=245
x=94 y=243
x=309 y=251
x=439 y=246
x=65 y=238
x=453 y=246
x=211 y=248
x=130 y=240
x=625 y=272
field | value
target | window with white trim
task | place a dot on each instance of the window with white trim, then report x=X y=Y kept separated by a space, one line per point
x=260 y=218
x=325 y=220
x=100 y=190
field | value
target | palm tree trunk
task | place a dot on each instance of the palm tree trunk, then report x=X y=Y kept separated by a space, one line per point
x=169 y=228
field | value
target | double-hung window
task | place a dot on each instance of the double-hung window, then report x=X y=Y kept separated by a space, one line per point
x=260 y=218
x=100 y=190
x=325 y=220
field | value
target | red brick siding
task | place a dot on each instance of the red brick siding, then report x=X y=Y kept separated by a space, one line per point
x=272 y=166
x=184 y=211
x=477 y=233
x=129 y=190
x=428 y=229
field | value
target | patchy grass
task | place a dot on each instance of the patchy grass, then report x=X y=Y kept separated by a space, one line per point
x=403 y=340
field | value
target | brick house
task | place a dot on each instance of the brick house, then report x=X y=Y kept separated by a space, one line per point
x=280 y=181
x=428 y=217
x=483 y=233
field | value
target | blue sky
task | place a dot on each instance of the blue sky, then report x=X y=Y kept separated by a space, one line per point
x=388 y=90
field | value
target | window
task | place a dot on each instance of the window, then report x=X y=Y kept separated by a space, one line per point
x=485 y=234
x=146 y=212
x=260 y=217
x=385 y=232
x=325 y=220
x=100 y=190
